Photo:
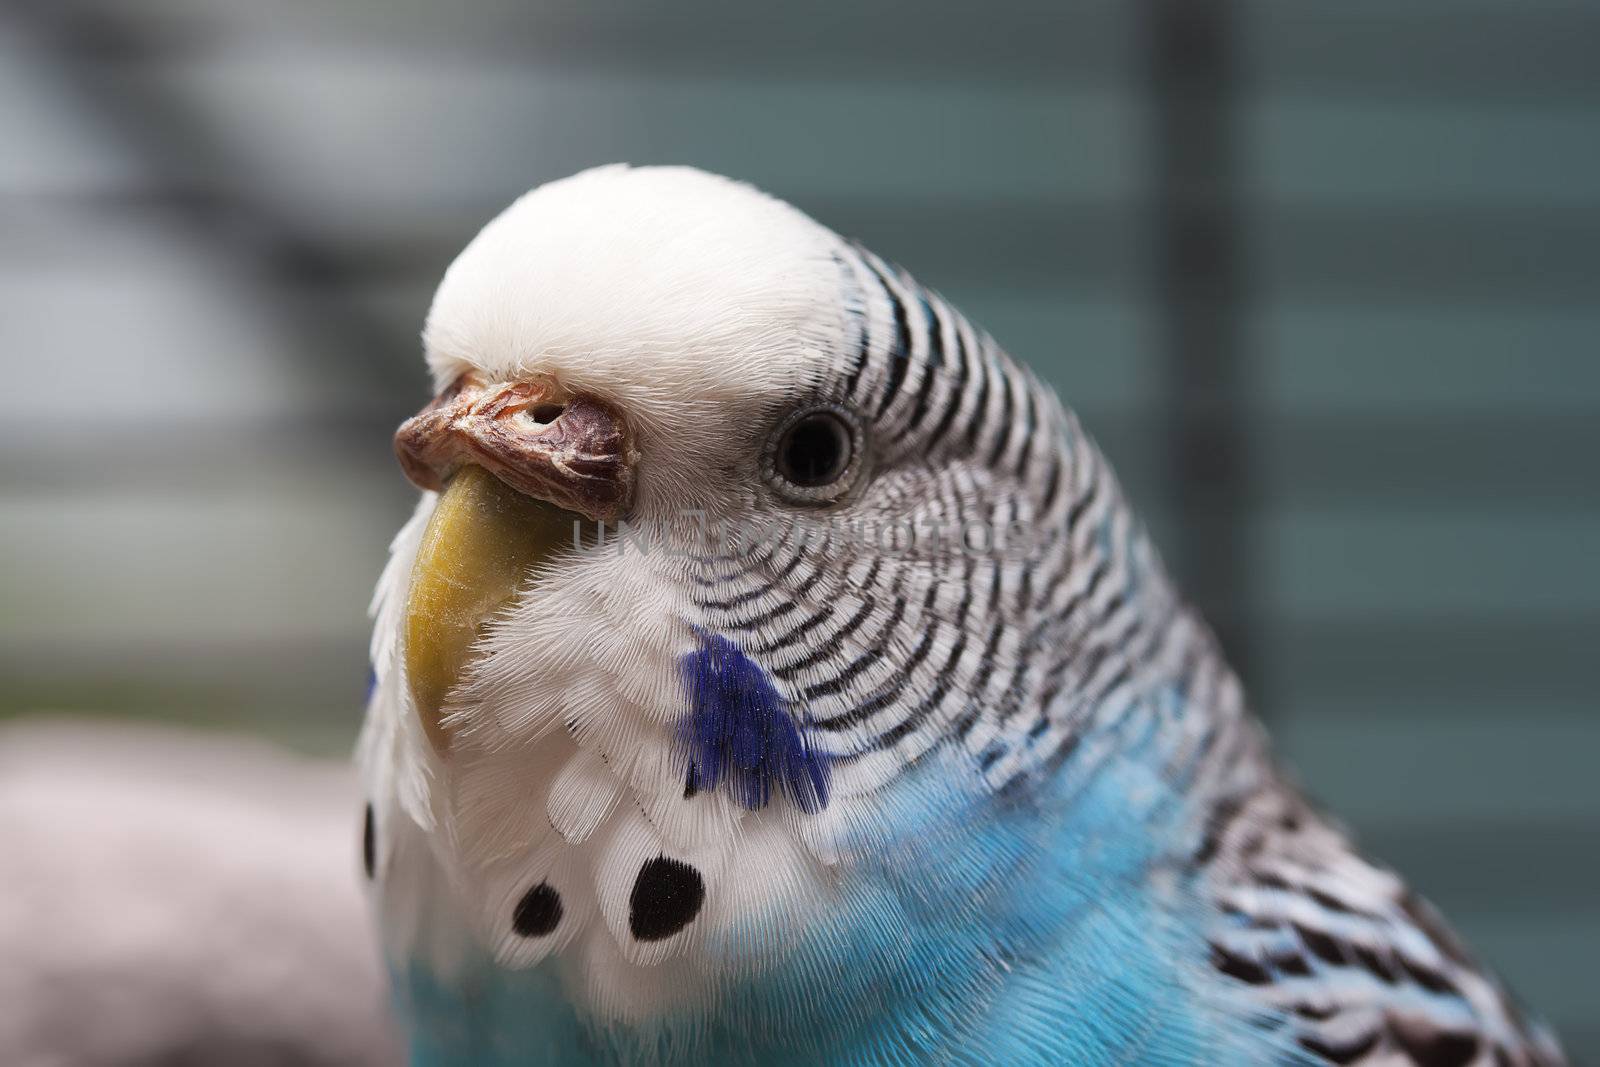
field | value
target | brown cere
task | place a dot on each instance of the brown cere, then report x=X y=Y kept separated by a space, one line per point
x=571 y=450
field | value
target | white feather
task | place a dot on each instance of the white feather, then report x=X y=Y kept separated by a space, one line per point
x=681 y=296
x=581 y=796
x=688 y=301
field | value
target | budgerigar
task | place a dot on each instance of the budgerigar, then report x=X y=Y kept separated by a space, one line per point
x=773 y=673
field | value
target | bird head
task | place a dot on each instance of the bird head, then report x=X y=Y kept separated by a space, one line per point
x=739 y=554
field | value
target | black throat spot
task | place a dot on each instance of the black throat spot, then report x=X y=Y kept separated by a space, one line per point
x=666 y=897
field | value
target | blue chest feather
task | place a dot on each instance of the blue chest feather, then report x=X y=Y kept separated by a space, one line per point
x=966 y=928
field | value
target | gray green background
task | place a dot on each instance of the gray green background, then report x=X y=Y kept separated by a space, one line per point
x=1321 y=275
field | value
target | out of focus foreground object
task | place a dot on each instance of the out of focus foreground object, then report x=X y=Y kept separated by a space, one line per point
x=171 y=898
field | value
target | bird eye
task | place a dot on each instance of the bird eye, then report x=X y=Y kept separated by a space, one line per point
x=815 y=451
x=815 y=455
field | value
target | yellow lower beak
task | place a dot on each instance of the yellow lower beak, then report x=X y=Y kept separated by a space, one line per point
x=484 y=540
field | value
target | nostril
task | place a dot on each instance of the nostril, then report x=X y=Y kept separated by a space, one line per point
x=544 y=414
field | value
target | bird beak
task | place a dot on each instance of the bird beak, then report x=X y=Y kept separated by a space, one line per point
x=520 y=470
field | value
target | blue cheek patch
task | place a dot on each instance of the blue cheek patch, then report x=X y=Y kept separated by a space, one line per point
x=739 y=729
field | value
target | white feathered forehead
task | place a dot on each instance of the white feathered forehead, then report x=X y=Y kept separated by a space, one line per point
x=647 y=285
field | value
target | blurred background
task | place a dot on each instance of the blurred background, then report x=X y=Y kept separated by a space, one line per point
x=1322 y=277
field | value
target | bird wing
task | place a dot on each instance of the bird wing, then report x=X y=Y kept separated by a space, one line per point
x=1358 y=967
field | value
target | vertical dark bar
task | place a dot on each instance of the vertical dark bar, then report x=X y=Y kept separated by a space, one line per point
x=1200 y=285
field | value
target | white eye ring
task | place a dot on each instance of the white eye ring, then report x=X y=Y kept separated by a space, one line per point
x=815 y=454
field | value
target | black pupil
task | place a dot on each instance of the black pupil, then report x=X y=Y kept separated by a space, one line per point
x=816 y=451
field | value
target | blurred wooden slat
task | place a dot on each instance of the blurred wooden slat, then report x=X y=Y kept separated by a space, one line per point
x=261 y=560
x=1455 y=859
x=1303 y=147
x=1425 y=360
x=1440 y=667
x=1539 y=464
x=875 y=40
x=1536 y=50
x=1531 y=52
x=1411 y=563
x=1395 y=772
x=369 y=134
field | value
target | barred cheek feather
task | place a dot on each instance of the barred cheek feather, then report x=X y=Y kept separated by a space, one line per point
x=978 y=789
